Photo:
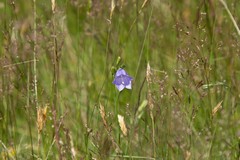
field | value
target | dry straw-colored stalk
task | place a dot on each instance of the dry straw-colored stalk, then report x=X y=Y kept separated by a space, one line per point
x=53 y=6
x=143 y=5
x=41 y=117
x=231 y=16
x=122 y=125
x=187 y=155
x=151 y=106
x=108 y=128
x=34 y=54
x=113 y=5
x=217 y=108
x=102 y=113
x=149 y=81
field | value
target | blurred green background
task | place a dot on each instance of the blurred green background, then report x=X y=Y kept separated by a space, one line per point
x=182 y=54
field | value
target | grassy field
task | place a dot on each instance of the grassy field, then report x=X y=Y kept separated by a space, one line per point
x=58 y=60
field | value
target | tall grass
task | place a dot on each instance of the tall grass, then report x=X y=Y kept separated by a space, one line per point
x=58 y=60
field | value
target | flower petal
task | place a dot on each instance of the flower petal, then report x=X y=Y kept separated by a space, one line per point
x=129 y=86
x=126 y=80
x=117 y=80
x=120 y=71
x=120 y=87
x=122 y=79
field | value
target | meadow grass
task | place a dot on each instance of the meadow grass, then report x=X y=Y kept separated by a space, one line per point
x=58 y=61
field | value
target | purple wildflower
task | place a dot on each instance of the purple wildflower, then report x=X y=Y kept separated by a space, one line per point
x=122 y=80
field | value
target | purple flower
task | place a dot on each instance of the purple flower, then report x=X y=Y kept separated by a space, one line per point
x=122 y=80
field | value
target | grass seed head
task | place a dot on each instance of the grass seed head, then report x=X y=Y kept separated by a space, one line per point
x=122 y=125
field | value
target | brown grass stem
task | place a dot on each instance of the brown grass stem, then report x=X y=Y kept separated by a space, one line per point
x=29 y=110
x=56 y=58
x=34 y=53
x=35 y=63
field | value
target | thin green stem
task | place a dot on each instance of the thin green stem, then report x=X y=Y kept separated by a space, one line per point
x=144 y=41
x=55 y=85
x=230 y=15
x=35 y=64
x=29 y=111
x=34 y=54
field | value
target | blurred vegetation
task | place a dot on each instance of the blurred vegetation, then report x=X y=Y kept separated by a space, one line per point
x=182 y=54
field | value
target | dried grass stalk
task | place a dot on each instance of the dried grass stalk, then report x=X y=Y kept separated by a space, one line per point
x=122 y=125
x=103 y=114
x=41 y=118
x=149 y=81
x=113 y=5
x=217 y=108
x=108 y=128
x=53 y=6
